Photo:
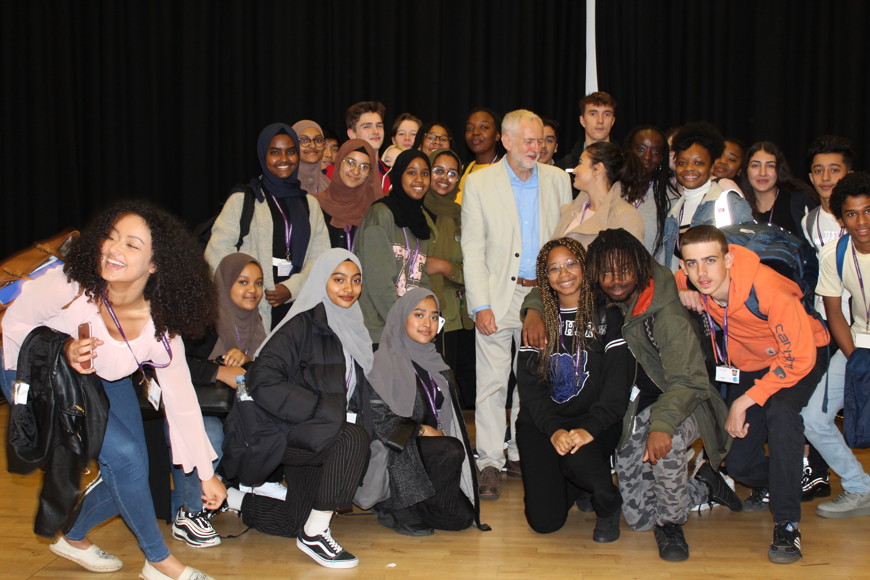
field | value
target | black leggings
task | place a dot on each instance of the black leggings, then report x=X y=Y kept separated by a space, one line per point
x=326 y=487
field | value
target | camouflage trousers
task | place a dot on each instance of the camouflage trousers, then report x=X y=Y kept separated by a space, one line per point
x=661 y=493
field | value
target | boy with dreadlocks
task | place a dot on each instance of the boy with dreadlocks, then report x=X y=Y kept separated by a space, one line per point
x=672 y=403
x=574 y=392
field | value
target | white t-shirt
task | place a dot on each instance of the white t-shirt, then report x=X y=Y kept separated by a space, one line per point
x=826 y=231
x=830 y=283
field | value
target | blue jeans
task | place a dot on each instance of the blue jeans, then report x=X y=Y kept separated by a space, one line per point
x=124 y=488
x=186 y=487
x=821 y=431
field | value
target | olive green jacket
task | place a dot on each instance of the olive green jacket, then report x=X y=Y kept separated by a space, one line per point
x=665 y=341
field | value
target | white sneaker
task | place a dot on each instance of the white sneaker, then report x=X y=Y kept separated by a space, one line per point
x=271 y=489
x=845 y=505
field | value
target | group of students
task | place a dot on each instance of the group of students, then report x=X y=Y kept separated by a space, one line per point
x=334 y=284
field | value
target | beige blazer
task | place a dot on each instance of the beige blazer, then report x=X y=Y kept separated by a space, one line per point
x=491 y=242
x=615 y=213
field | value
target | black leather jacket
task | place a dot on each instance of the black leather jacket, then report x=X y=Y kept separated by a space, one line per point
x=59 y=429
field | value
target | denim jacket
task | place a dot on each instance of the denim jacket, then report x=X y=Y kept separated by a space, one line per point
x=739 y=210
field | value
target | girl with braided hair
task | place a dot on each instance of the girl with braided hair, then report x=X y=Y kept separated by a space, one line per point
x=575 y=391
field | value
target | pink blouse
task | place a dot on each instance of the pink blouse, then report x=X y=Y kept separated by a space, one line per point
x=51 y=301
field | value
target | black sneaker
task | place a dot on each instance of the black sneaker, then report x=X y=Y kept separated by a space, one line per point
x=758 y=500
x=814 y=484
x=718 y=489
x=672 y=542
x=326 y=551
x=786 y=545
x=195 y=529
x=607 y=528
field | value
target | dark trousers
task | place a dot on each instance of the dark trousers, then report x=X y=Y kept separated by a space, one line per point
x=552 y=482
x=449 y=509
x=457 y=348
x=779 y=424
x=324 y=487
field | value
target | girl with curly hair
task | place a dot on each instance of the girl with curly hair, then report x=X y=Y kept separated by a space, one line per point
x=575 y=392
x=136 y=277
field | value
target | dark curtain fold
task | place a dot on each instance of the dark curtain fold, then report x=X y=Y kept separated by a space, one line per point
x=779 y=70
x=164 y=99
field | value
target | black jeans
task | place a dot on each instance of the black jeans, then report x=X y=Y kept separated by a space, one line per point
x=779 y=424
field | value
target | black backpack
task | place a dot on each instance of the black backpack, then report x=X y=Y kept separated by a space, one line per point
x=784 y=252
x=203 y=230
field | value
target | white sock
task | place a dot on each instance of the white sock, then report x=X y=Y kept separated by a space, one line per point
x=317 y=522
x=234 y=499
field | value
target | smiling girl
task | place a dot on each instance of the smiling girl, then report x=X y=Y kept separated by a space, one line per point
x=574 y=392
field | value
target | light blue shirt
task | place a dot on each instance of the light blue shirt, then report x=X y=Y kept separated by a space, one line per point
x=526 y=199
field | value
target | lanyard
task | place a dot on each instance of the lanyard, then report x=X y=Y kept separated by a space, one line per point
x=583 y=215
x=430 y=396
x=819 y=231
x=721 y=357
x=288 y=227
x=413 y=255
x=861 y=284
x=576 y=359
x=239 y=340
x=638 y=203
x=770 y=217
x=165 y=342
x=350 y=239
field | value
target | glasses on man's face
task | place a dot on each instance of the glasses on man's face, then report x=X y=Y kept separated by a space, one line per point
x=317 y=142
x=435 y=138
x=363 y=168
x=568 y=265
x=451 y=174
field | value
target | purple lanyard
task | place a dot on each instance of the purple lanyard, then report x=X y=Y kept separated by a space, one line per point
x=288 y=227
x=583 y=215
x=638 y=203
x=721 y=357
x=239 y=340
x=575 y=357
x=861 y=284
x=430 y=396
x=165 y=342
x=413 y=255
x=819 y=231
x=350 y=239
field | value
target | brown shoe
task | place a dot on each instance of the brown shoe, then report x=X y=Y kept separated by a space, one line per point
x=513 y=468
x=490 y=484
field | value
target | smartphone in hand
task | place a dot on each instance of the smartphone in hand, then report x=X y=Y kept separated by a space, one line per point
x=85 y=332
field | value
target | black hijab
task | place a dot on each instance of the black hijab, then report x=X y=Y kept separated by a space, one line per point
x=407 y=211
x=289 y=193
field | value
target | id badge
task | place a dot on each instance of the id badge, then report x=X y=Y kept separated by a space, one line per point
x=285 y=267
x=351 y=417
x=154 y=394
x=726 y=374
x=862 y=340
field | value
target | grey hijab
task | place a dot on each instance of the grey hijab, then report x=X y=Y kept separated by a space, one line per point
x=346 y=323
x=392 y=375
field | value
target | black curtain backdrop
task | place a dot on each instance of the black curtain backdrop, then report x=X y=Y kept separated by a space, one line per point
x=164 y=99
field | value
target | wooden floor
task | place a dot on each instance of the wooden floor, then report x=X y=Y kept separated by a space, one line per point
x=723 y=545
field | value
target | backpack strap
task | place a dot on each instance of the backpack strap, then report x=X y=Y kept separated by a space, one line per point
x=841 y=253
x=247 y=215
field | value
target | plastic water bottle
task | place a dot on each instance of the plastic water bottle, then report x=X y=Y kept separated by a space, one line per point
x=242 y=389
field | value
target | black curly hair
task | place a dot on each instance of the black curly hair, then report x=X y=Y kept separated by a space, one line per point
x=585 y=308
x=181 y=291
x=701 y=133
x=661 y=176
